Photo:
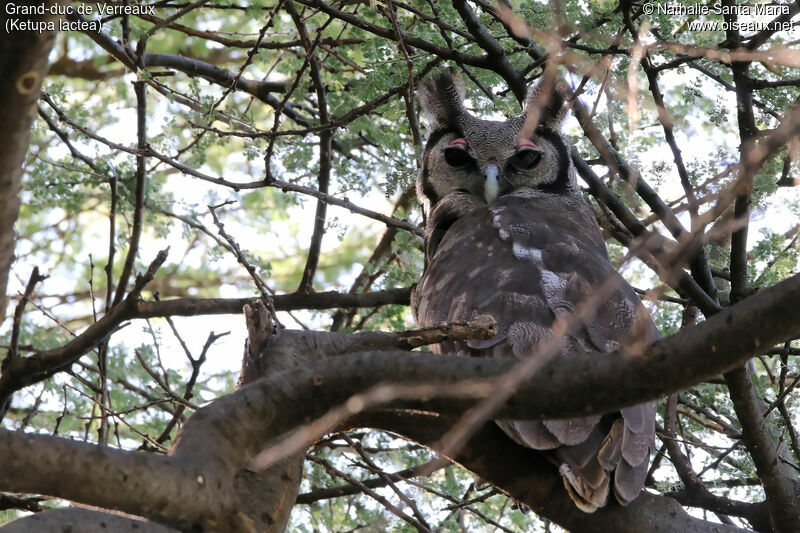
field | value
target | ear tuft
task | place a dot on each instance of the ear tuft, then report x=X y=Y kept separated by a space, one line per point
x=442 y=98
x=551 y=105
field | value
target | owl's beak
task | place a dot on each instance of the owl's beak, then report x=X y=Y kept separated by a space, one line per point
x=491 y=187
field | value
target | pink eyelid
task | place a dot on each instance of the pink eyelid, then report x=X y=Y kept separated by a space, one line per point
x=527 y=144
x=461 y=142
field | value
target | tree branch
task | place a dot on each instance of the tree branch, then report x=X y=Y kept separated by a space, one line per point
x=83 y=520
x=697 y=257
x=283 y=302
x=214 y=74
x=325 y=156
x=388 y=33
x=496 y=56
x=777 y=477
x=21 y=372
x=528 y=477
x=556 y=391
x=220 y=438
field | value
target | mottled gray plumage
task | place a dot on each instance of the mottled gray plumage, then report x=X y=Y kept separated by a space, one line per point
x=509 y=234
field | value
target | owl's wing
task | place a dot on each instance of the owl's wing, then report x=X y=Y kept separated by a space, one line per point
x=526 y=260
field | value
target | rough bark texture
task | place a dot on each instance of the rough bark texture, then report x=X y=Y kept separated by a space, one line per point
x=268 y=495
x=196 y=485
x=531 y=479
x=212 y=481
x=772 y=463
x=78 y=520
x=23 y=64
x=591 y=385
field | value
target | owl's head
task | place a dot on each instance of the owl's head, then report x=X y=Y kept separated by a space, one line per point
x=481 y=160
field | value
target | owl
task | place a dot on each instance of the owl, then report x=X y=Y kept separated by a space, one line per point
x=509 y=234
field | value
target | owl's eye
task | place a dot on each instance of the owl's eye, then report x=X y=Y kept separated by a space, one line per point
x=456 y=153
x=526 y=158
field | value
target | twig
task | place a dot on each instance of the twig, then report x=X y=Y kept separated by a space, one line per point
x=161 y=383
x=347 y=204
x=13 y=349
x=782 y=391
x=333 y=471
x=481 y=327
x=187 y=391
x=21 y=372
x=266 y=293
x=346 y=490
x=325 y=139
x=141 y=181
x=383 y=475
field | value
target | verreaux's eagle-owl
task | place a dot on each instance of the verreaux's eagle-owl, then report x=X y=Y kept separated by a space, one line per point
x=509 y=234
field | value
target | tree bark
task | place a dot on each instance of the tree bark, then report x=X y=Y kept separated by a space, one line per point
x=268 y=495
x=23 y=62
x=198 y=479
x=527 y=476
x=79 y=520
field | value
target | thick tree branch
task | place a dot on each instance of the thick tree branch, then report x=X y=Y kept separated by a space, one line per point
x=528 y=477
x=82 y=520
x=219 y=439
x=283 y=302
x=83 y=472
x=23 y=62
x=267 y=496
x=556 y=391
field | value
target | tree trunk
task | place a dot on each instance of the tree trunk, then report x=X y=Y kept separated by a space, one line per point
x=23 y=64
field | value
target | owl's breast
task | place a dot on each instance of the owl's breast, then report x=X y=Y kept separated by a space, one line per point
x=525 y=260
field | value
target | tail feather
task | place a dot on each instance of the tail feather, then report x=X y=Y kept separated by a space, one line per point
x=572 y=431
x=578 y=456
x=591 y=455
x=529 y=433
x=629 y=480
x=588 y=488
x=610 y=451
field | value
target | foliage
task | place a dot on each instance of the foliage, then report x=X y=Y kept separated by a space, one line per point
x=209 y=144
